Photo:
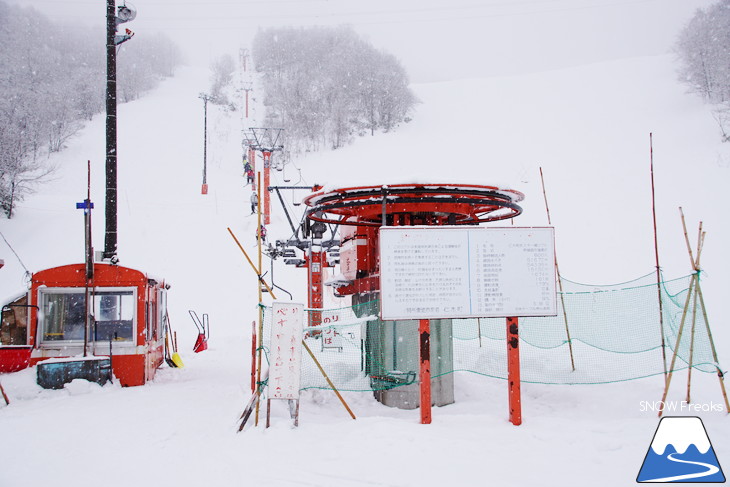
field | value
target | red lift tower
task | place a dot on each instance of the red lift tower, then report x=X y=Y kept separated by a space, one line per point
x=267 y=141
x=318 y=254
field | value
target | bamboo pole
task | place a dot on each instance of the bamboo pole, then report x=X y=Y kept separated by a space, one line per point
x=339 y=396
x=676 y=346
x=254 y=342
x=720 y=375
x=692 y=346
x=693 y=286
x=694 y=315
x=5 y=396
x=260 y=295
x=253 y=266
x=249 y=407
x=686 y=240
x=656 y=255
x=560 y=282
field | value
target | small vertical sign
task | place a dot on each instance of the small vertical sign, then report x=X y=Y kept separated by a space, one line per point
x=331 y=338
x=286 y=350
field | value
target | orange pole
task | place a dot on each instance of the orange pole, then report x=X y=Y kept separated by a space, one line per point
x=424 y=331
x=513 y=371
x=267 y=183
x=316 y=298
x=253 y=356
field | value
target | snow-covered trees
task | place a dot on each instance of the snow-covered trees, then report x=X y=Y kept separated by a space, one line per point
x=326 y=85
x=51 y=79
x=704 y=51
x=222 y=70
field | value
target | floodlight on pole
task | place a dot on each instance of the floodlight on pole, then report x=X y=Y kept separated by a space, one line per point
x=125 y=13
x=114 y=16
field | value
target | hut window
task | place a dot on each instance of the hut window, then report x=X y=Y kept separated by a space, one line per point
x=14 y=325
x=63 y=315
x=114 y=315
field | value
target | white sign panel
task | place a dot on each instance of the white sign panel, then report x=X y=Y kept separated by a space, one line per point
x=331 y=338
x=286 y=350
x=463 y=272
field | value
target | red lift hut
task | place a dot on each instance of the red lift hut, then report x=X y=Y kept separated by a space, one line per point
x=126 y=311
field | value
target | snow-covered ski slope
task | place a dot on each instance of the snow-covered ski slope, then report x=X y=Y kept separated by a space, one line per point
x=587 y=127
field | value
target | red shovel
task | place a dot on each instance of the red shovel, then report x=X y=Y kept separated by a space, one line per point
x=201 y=343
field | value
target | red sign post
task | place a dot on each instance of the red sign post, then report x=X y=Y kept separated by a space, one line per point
x=513 y=371
x=424 y=333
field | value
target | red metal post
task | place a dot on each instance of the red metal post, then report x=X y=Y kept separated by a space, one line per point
x=513 y=371
x=246 y=102
x=316 y=299
x=253 y=357
x=265 y=189
x=424 y=332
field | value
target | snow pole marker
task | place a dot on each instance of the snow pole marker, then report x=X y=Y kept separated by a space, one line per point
x=560 y=282
x=656 y=256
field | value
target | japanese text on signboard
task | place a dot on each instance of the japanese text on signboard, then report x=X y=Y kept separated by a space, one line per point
x=286 y=350
x=454 y=272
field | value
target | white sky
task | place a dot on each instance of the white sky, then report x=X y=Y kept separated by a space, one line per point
x=434 y=39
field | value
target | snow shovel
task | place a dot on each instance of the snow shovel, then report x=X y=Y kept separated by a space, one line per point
x=168 y=359
x=201 y=343
x=175 y=361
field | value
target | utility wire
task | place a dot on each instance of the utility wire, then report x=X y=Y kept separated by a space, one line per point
x=14 y=252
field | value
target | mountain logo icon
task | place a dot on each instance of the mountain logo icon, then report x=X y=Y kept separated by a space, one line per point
x=681 y=452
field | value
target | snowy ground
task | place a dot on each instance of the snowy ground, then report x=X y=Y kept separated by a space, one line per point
x=587 y=127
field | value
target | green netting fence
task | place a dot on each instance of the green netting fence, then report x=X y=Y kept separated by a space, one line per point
x=614 y=331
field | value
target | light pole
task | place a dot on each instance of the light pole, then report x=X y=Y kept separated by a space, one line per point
x=205 y=97
x=123 y=14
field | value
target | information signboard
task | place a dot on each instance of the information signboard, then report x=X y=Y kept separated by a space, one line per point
x=286 y=350
x=467 y=272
